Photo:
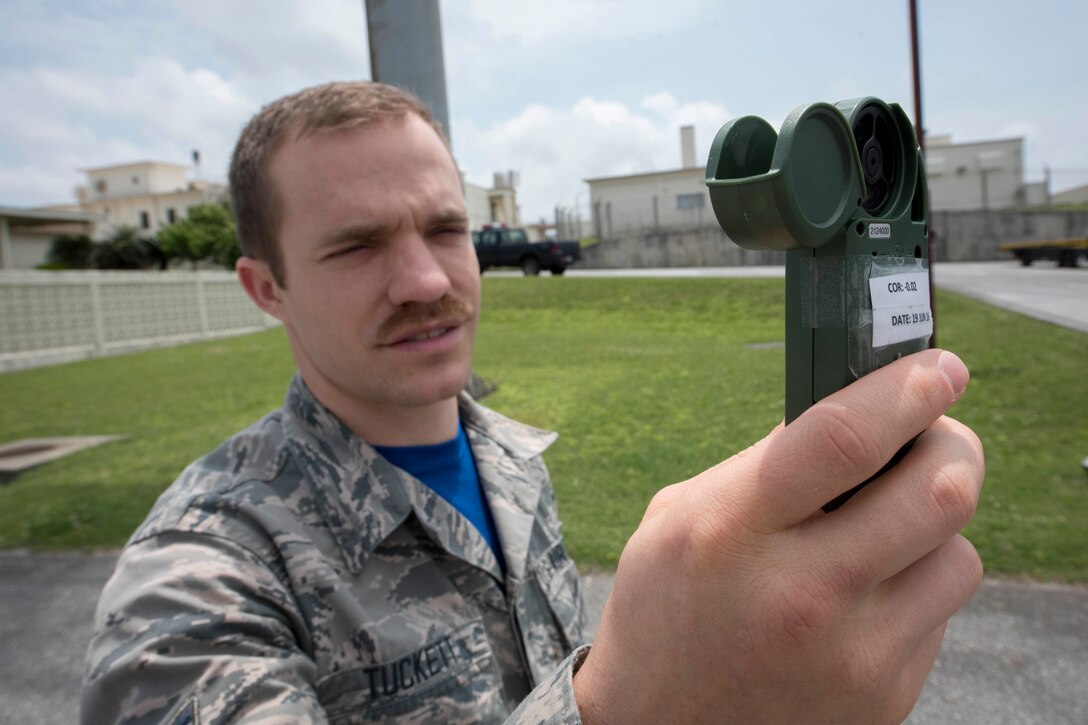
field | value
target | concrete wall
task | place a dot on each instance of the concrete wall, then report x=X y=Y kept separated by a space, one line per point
x=960 y=236
x=965 y=236
x=54 y=317
x=706 y=247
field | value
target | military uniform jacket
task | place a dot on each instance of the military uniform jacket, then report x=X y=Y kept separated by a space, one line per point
x=295 y=575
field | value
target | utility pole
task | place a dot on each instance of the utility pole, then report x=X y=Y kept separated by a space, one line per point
x=916 y=63
x=920 y=132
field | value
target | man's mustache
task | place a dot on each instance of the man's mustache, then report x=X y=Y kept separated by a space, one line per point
x=414 y=314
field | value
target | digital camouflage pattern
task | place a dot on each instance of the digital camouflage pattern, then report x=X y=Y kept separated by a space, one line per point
x=294 y=575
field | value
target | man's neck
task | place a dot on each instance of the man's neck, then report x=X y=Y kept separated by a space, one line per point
x=392 y=425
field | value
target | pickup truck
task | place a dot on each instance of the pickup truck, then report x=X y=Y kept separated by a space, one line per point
x=503 y=247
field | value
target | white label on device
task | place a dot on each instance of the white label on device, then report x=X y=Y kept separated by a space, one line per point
x=880 y=231
x=900 y=308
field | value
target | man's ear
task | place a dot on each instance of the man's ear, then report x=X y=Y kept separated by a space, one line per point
x=256 y=278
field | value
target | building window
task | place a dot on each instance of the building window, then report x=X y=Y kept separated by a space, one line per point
x=171 y=215
x=690 y=201
x=145 y=220
x=135 y=180
x=100 y=186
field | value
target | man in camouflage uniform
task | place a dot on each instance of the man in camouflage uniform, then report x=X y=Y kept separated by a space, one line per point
x=295 y=574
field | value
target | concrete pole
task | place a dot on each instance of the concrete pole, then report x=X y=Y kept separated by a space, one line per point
x=405 y=39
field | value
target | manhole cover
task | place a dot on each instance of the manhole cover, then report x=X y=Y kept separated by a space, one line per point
x=20 y=455
x=24 y=450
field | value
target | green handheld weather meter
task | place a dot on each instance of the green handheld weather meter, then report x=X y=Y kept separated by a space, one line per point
x=842 y=190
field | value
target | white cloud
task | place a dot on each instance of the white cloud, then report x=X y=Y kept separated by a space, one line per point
x=554 y=149
x=69 y=119
x=535 y=23
x=560 y=91
x=90 y=88
x=282 y=45
x=1049 y=139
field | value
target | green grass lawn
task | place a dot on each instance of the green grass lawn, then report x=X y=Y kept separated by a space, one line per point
x=647 y=381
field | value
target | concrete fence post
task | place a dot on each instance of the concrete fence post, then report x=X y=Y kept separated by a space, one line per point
x=202 y=305
x=96 y=315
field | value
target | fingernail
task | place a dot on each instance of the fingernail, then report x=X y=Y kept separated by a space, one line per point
x=954 y=371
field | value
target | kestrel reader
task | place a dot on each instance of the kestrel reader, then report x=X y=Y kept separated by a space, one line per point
x=842 y=190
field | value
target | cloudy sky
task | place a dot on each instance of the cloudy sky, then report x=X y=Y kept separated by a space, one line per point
x=560 y=90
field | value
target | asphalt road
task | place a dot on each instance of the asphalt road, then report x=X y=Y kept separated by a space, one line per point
x=1058 y=295
x=1017 y=654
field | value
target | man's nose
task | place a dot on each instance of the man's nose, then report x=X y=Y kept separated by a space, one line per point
x=416 y=274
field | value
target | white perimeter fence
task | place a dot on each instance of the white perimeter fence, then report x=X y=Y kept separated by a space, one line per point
x=53 y=317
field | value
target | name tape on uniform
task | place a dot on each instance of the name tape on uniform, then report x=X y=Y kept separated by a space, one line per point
x=900 y=308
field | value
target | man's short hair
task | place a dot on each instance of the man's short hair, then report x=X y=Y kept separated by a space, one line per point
x=330 y=107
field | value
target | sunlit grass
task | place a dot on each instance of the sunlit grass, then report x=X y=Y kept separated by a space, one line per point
x=648 y=381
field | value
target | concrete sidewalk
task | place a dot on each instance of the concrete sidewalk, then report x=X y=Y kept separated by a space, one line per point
x=1018 y=653
x=1058 y=295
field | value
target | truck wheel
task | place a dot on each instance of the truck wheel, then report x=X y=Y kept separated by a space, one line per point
x=1025 y=258
x=558 y=271
x=530 y=267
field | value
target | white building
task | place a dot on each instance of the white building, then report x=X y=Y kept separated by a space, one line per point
x=146 y=195
x=673 y=199
x=1076 y=195
x=978 y=175
x=26 y=234
x=497 y=205
x=967 y=176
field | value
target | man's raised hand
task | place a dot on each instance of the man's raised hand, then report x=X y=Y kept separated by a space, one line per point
x=739 y=600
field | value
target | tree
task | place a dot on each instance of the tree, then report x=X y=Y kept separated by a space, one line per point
x=127 y=249
x=208 y=234
x=70 y=251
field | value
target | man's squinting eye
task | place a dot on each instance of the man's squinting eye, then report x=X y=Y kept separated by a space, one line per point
x=348 y=249
x=455 y=230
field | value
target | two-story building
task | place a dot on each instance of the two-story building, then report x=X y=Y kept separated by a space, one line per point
x=146 y=195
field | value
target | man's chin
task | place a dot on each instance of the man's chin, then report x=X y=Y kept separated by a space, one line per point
x=435 y=391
